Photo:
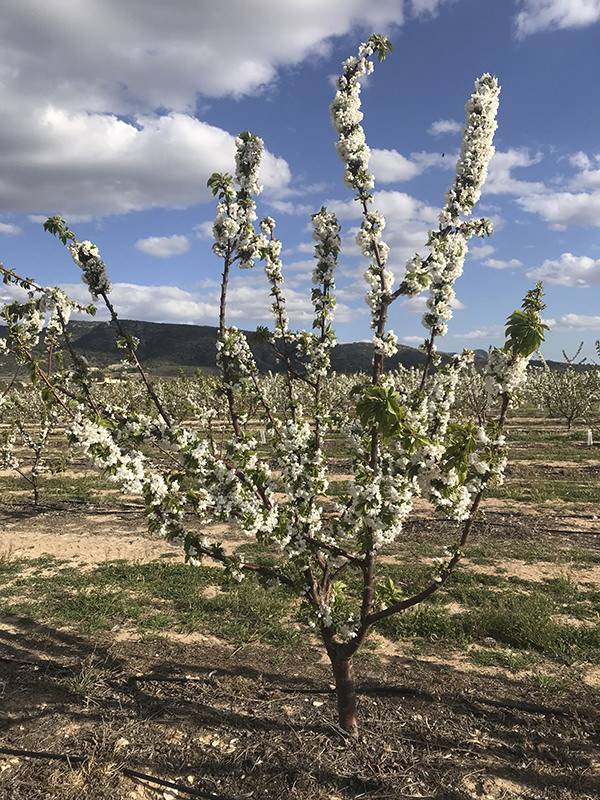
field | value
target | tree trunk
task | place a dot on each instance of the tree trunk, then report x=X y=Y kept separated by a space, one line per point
x=345 y=688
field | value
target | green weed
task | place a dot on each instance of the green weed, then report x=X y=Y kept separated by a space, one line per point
x=502 y=657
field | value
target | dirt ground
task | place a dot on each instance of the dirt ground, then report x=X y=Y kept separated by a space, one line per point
x=191 y=716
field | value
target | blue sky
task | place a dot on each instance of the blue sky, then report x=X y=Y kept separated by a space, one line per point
x=115 y=114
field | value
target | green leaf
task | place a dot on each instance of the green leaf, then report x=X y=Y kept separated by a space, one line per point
x=463 y=441
x=57 y=226
x=379 y=407
x=524 y=333
x=525 y=329
x=262 y=335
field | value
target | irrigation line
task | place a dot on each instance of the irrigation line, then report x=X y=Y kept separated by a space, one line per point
x=404 y=691
x=531 y=708
x=401 y=691
x=130 y=773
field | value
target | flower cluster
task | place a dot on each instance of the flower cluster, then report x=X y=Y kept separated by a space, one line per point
x=95 y=441
x=505 y=374
x=248 y=155
x=60 y=307
x=85 y=255
x=476 y=150
x=31 y=325
x=233 y=230
x=445 y=267
x=387 y=344
x=326 y=235
x=416 y=278
x=380 y=280
x=270 y=251
x=316 y=347
x=346 y=117
x=449 y=244
x=235 y=359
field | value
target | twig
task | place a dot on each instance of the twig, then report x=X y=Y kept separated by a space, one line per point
x=130 y=773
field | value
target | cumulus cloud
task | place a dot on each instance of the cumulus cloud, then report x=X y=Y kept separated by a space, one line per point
x=8 y=229
x=418 y=305
x=442 y=126
x=163 y=246
x=568 y=270
x=295 y=209
x=426 y=7
x=542 y=15
x=580 y=160
x=99 y=164
x=587 y=179
x=204 y=230
x=557 y=207
x=564 y=208
x=408 y=221
x=413 y=341
x=481 y=251
x=496 y=263
x=102 y=118
x=485 y=332
x=248 y=302
x=575 y=322
x=389 y=166
x=152 y=58
x=500 y=179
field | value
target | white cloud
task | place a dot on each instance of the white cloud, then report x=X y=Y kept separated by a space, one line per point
x=152 y=58
x=542 y=15
x=500 y=179
x=587 y=179
x=98 y=164
x=564 y=208
x=568 y=270
x=495 y=263
x=306 y=247
x=575 y=322
x=8 y=229
x=248 y=302
x=426 y=7
x=296 y=209
x=481 y=251
x=413 y=340
x=485 y=332
x=442 y=126
x=389 y=166
x=418 y=305
x=163 y=246
x=204 y=230
x=408 y=222
x=98 y=117
x=580 y=160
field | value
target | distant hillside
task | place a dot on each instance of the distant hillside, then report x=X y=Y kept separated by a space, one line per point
x=166 y=348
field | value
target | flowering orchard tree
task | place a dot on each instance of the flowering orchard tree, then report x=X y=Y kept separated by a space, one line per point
x=571 y=393
x=402 y=442
x=27 y=423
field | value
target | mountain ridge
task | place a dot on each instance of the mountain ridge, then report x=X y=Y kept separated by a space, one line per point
x=165 y=348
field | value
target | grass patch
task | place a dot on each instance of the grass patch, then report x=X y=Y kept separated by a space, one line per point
x=518 y=614
x=503 y=657
x=153 y=598
x=542 y=491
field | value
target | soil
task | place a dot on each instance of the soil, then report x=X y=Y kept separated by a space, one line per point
x=200 y=718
